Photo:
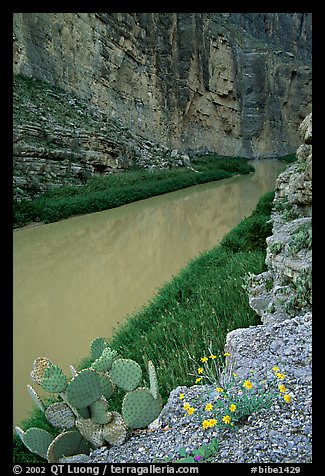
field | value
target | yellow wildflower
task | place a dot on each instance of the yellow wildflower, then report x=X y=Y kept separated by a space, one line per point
x=212 y=422
x=181 y=396
x=287 y=398
x=247 y=384
x=208 y=406
x=232 y=407
x=282 y=388
x=219 y=389
x=212 y=356
x=204 y=359
x=226 y=354
x=190 y=411
x=186 y=406
x=200 y=370
x=198 y=380
x=226 y=419
x=235 y=375
x=276 y=369
x=206 y=424
x=209 y=423
x=280 y=376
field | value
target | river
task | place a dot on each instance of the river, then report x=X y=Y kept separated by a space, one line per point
x=77 y=279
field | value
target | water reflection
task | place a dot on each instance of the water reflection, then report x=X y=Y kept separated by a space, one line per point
x=78 y=279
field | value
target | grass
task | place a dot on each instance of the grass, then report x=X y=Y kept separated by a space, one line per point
x=191 y=313
x=105 y=192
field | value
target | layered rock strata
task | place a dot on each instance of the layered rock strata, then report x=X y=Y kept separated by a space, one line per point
x=236 y=84
x=60 y=139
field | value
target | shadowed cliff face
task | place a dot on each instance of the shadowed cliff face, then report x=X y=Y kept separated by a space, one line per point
x=237 y=84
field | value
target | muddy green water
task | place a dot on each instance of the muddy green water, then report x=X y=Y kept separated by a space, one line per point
x=78 y=279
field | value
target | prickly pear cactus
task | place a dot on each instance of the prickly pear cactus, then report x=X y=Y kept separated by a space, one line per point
x=154 y=389
x=97 y=346
x=67 y=443
x=54 y=380
x=84 y=414
x=105 y=361
x=91 y=431
x=99 y=411
x=140 y=408
x=115 y=432
x=36 y=398
x=40 y=364
x=36 y=440
x=126 y=374
x=49 y=376
x=60 y=415
x=84 y=389
x=108 y=386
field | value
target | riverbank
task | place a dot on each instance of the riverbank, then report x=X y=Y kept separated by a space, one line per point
x=113 y=190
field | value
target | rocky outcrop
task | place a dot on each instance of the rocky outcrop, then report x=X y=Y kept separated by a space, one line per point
x=284 y=290
x=282 y=296
x=236 y=84
x=60 y=139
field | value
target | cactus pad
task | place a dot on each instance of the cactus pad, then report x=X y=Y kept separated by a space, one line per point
x=99 y=411
x=83 y=412
x=39 y=366
x=84 y=389
x=115 y=431
x=104 y=362
x=97 y=346
x=36 y=440
x=60 y=415
x=126 y=373
x=154 y=389
x=91 y=431
x=107 y=385
x=140 y=408
x=54 y=379
x=36 y=398
x=67 y=444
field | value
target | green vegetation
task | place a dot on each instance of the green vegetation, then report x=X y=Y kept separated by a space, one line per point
x=191 y=313
x=37 y=102
x=287 y=209
x=301 y=295
x=301 y=239
x=289 y=158
x=104 y=192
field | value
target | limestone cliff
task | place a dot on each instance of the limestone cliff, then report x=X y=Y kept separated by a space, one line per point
x=284 y=290
x=236 y=84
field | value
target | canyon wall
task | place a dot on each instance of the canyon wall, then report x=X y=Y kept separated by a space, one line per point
x=235 y=84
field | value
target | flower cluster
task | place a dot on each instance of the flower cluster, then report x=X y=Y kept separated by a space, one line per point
x=238 y=399
x=281 y=387
x=206 y=372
